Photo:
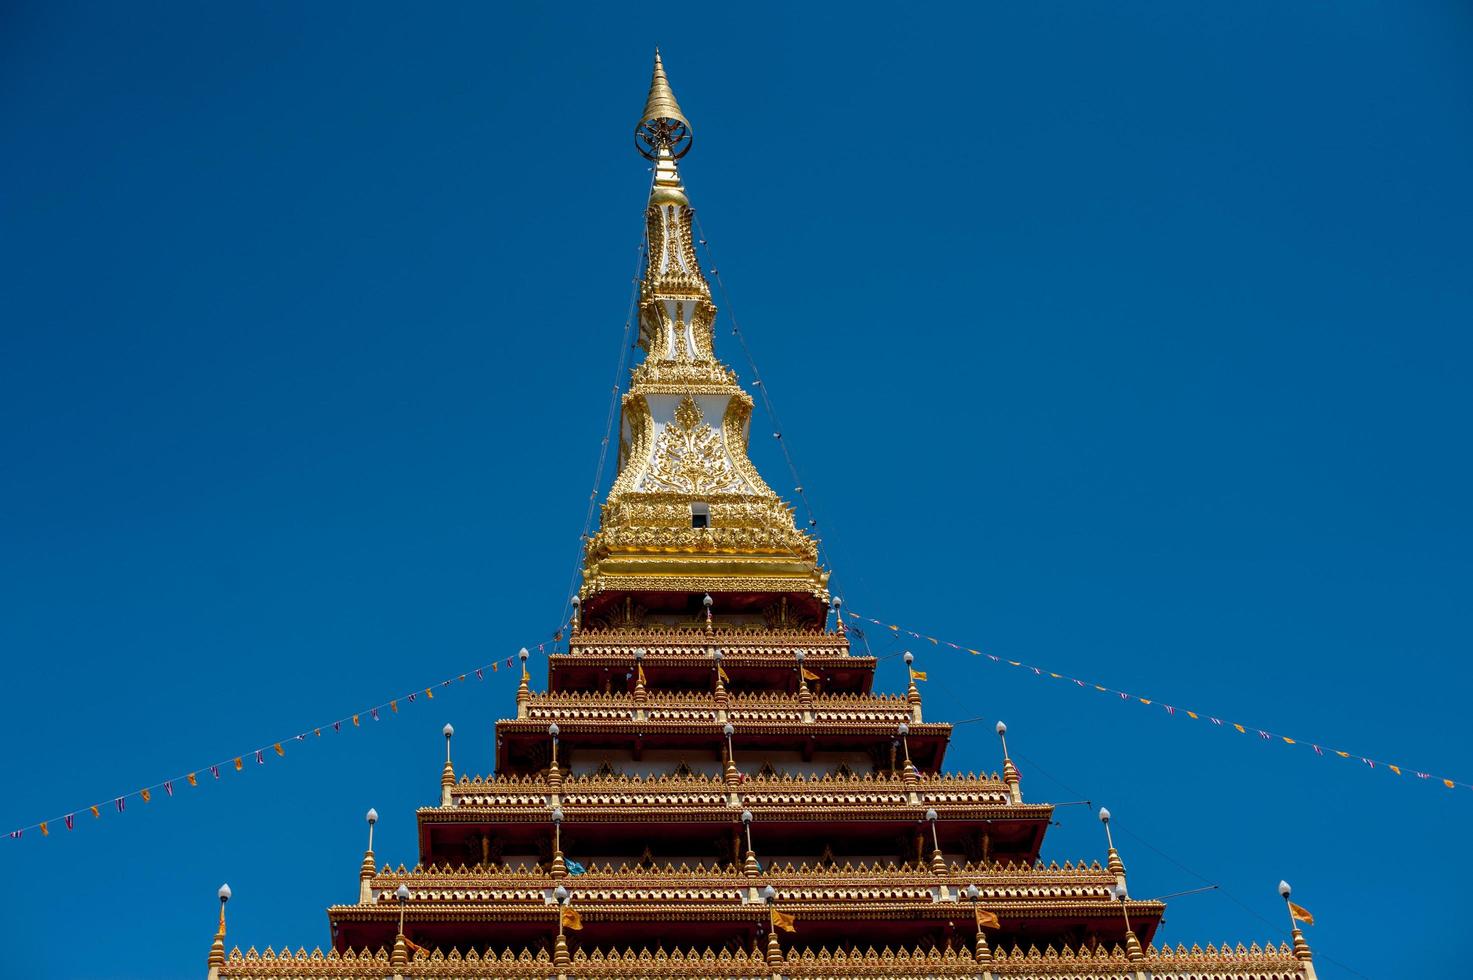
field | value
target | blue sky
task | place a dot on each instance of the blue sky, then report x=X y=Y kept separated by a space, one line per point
x=1130 y=340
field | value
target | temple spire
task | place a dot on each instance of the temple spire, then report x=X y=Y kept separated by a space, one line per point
x=663 y=126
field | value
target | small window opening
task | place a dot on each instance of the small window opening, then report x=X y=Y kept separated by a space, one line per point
x=700 y=515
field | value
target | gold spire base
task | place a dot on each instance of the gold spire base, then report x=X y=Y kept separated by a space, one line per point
x=982 y=953
x=774 y=949
x=1301 y=947
x=399 y=958
x=1133 y=951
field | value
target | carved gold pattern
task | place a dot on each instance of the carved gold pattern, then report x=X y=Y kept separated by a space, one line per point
x=1269 y=962
x=689 y=457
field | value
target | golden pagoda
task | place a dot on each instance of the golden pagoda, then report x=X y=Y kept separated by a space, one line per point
x=709 y=786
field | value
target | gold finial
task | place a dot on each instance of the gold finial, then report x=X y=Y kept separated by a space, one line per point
x=662 y=126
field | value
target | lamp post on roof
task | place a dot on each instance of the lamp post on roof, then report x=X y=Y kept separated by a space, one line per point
x=524 y=691
x=399 y=958
x=216 y=959
x=554 y=773
x=1133 y=949
x=447 y=775
x=750 y=867
x=366 y=869
x=912 y=693
x=981 y=953
x=559 y=867
x=908 y=775
x=1115 y=865
x=938 y=861
x=1297 y=915
x=708 y=602
x=1010 y=774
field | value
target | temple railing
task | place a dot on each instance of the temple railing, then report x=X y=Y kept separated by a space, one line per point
x=1166 y=963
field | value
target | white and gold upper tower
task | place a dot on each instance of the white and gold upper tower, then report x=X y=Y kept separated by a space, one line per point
x=688 y=515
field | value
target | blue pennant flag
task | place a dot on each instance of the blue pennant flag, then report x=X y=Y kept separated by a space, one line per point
x=574 y=868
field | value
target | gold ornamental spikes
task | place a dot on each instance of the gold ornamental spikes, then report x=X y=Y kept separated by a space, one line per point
x=663 y=125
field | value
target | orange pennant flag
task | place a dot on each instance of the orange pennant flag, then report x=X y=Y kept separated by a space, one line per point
x=918 y=675
x=1395 y=769
x=1240 y=728
x=394 y=707
x=782 y=920
x=721 y=673
x=571 y=918
x=279 y=749
x=44 y=831
x=987 y=919
x=429 y=694
x=1192 y=715
x=1448 y=783
x=355 y=721
x=192 y=780
x=96 y=812
x=1301 y=913
x=239 y=764
x=146 y=795
x=809 y=675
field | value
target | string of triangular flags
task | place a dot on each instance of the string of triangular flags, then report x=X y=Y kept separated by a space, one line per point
x=276 y=749
x=1171 y=710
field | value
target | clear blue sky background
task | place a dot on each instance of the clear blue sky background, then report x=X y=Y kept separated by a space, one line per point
x=1132 y=340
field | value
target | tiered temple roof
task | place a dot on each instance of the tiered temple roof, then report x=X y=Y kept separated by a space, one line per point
x=709 y=759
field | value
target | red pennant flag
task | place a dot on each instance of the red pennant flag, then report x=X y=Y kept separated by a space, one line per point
x=215 y=771
x=1215 y=721
x=16 y=834
x=480 y=676
x=71 y=820
x=1318 y=750
x=411 y=698
x=120 y=803
x=169 y=786
x=374 y=713
x=337 y=726
x=260 y=759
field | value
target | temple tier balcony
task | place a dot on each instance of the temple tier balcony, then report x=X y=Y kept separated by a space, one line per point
x=623 y=734
x=508 y=821
x=675 y=908
x=685 y=659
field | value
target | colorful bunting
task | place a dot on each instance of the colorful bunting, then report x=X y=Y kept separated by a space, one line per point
x=1171 y=710
x=238 y=762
